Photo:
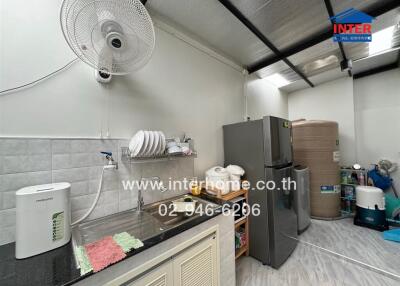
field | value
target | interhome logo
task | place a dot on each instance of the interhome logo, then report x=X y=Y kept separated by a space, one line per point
x=352 y=26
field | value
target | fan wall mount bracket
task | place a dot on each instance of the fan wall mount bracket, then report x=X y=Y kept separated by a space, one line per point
x=102 y=76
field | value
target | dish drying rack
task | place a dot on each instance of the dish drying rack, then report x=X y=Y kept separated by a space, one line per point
x=127 y=156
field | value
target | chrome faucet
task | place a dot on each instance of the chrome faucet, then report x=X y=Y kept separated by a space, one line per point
x=140 y=201
x=111 y=161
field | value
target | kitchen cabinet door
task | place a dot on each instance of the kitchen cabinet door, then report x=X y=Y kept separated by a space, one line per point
x=160 y=276
x=197 y=266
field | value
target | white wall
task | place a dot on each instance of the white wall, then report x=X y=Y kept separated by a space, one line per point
x=181 y=89
x=263 y=99
x=329 y=101
x=377 y=115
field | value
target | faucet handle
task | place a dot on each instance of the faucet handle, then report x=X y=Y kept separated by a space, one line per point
x=110 y=159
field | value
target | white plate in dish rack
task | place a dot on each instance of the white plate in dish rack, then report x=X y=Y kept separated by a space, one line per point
x=154 y=147
x=150 y=144
x=159 y=146
x=143 y=148
x=132 y=144
x=163 y=142
x=136 y=143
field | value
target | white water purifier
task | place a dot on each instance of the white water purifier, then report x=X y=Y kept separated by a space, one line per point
x=43 y=218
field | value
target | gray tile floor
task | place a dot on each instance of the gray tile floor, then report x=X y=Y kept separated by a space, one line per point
x=359 y=243
x=309 y=265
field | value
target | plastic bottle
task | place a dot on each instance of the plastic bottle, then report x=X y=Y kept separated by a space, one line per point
x=349 y=179
x=361 y=179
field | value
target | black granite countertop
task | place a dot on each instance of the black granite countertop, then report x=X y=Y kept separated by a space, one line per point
x=57 y=267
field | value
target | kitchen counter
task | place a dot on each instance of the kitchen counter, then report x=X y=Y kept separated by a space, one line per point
x=57 y=267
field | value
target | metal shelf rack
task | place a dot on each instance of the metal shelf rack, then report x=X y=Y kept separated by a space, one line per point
x=349 y=200
x=127 y=157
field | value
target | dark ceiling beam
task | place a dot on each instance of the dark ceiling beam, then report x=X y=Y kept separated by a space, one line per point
x=375 y=10
x=376 y=70
x=332 y=14
x=228 y=5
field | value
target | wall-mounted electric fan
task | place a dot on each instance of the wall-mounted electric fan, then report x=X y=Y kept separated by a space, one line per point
x=115 y=37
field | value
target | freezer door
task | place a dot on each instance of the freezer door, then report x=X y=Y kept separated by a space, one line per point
x=282 y=219
x=277 y=141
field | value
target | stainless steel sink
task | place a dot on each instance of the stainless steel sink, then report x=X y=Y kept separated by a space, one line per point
x=139 y=224
x=173 y=219
x=142 y=225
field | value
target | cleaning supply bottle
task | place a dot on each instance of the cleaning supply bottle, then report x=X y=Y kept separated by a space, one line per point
x=361 y=179
x=349 y=179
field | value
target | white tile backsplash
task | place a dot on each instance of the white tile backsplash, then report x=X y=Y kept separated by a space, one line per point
x=7 y=234
x=8 y=199
x=11 y=182
x=80 y=146
x=1 y=164
x=7 y=218
x=74 y=160
x=107 y=145
x=127 y=199
x=14 y=147
x=82 y=202
x=104 y=210
x=61 y=161
x=79 y=188
x=60 y=146
x=26 y=162
x=109 y=197
x=39 y=146
x=71 y=175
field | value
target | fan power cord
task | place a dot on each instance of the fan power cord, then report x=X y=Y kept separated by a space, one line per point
x=32 y=83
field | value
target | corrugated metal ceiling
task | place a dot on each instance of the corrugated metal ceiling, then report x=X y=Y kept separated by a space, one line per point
x=375 y=61
x=212 y=23
x=356 y=51
x=284 y=22
x=279 y=67
x=341 y=5
x=319 y=58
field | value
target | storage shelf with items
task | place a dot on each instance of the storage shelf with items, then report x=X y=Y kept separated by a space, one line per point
x=349 y=179
x=240 y=199
x=240 y=223
x=240 y=242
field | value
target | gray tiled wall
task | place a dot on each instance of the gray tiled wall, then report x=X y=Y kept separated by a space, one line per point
x=27 y=162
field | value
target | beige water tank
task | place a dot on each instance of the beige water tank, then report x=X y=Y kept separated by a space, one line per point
x=316 y=145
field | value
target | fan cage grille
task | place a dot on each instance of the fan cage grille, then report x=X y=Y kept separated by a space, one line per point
x=82 y=21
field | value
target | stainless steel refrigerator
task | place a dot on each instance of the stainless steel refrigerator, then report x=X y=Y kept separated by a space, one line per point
x=264 y=149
